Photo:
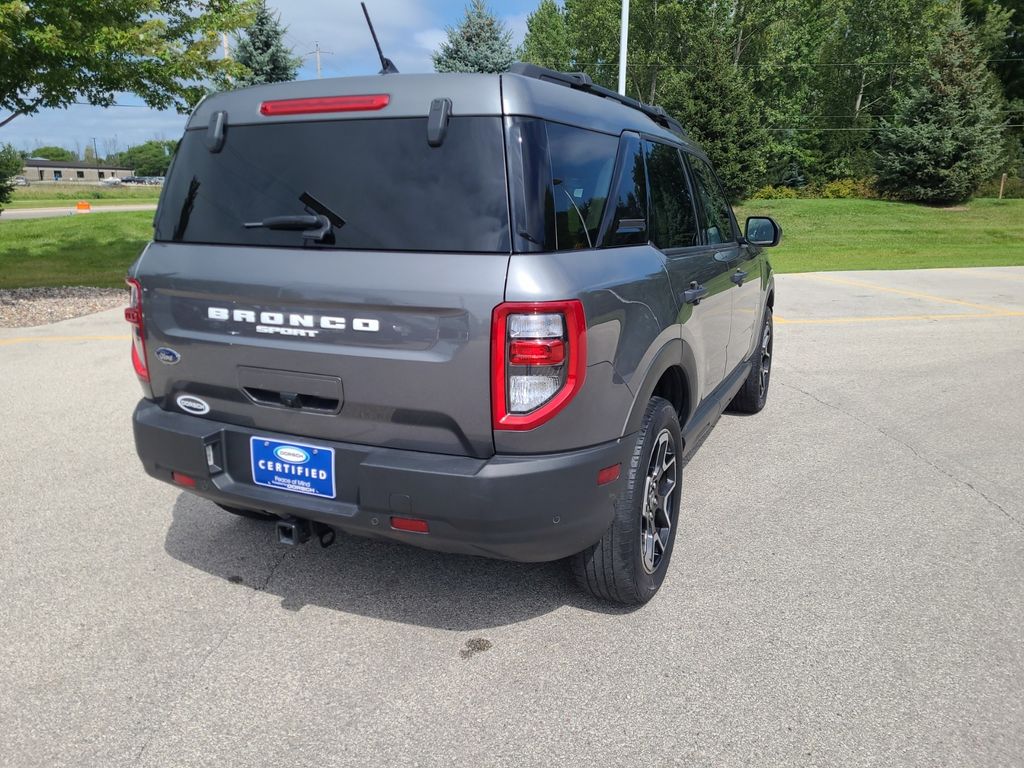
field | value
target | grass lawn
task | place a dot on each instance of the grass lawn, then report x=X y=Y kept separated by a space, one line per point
x=824 y=235
x=93 y=250
x=819 y=235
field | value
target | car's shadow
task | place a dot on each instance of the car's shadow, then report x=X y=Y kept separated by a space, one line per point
x=379 y=579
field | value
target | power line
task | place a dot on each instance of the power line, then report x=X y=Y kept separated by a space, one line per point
x=831 y=130
x=771 y=65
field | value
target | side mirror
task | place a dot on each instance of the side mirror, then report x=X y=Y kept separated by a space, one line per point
x=763 y=231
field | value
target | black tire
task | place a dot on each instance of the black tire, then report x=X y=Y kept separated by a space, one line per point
x=616 y=568
x=754 y=393
x=252 y=514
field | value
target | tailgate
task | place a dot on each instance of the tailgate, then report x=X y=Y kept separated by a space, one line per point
x=380 y=348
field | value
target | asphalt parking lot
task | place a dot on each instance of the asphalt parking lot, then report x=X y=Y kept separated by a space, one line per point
x=847 y=588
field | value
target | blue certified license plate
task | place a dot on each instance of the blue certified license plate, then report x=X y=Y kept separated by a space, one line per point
x=307 y=469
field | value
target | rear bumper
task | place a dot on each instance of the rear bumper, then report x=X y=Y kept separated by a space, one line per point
x=526 y=508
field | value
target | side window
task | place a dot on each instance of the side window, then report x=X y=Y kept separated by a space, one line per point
x=582 y=163
x=716 y=221
x=629 y=221
x=674 y=222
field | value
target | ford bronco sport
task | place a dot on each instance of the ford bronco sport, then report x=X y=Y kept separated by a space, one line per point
x=485 y=314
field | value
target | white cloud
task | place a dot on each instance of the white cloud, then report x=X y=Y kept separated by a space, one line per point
x=77 y=125
x=341 y=29
x=430 y=39
x=517 y=26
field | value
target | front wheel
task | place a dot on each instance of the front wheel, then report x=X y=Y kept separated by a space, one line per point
x=754 y=393
x=628 y=564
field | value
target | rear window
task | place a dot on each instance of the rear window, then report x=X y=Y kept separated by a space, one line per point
x=392 y=190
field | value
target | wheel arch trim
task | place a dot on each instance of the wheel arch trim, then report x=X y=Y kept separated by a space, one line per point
x=674 y=354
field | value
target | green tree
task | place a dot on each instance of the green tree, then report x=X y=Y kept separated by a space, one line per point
x=481 y=43
x=681 y=56
x=150 y=158
x=711 y=96
x=260 y=49
x=55 y=153
x=11 y=163
x=547 y=37
x=870 y=53
x=54 y=53
x=946 y=135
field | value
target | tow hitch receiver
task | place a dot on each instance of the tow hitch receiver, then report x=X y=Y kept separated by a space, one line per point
x=295 y=531
x=292 y=532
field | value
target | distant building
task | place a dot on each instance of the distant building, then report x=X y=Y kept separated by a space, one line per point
x=37 y=169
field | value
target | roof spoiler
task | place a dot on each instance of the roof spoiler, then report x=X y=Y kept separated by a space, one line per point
x=581 y=81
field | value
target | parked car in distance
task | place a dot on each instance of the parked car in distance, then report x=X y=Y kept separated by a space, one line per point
x=20 y=181
x=483 y=314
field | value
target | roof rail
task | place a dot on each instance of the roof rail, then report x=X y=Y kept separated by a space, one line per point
x=581 y=81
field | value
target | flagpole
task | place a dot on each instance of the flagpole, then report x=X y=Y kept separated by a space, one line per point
x=623 y=41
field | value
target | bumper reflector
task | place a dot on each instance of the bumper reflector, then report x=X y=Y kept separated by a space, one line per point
x=185 y=480
x=609 y=474
x=410 y=524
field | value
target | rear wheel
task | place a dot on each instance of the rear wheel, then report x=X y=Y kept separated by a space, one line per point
x=628 y=564
x=754 y=393
x=252 y=514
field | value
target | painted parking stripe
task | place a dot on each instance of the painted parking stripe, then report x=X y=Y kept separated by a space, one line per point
x=903 y=292
x=34 y=339
x=889 y=318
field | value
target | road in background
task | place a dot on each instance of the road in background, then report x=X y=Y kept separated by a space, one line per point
x=847 y=587
x=69 y=210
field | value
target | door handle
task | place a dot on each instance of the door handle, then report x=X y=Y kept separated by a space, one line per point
x=738 y=276
x=694 y=293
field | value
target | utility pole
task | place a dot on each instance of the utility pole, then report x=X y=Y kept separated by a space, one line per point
x=316 y=52
x=96 y=158
x=227 y=53
x=623 y=44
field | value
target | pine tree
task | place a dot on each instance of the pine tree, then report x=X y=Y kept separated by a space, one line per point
x=11 y=162
x=945 y=137
x=261 y=50
x=481 y=43
x=707 y=93
x=547 y=37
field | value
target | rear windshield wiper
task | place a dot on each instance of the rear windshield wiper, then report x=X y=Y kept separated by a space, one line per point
x=316 y=225
x=313 y=226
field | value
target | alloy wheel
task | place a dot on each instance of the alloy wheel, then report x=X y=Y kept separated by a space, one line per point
x=659 y=502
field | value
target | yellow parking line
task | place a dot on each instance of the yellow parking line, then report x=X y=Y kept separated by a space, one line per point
x=901 y=292
x=33 y=339
x=889 y=318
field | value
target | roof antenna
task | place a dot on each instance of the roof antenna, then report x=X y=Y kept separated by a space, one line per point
x=387 y=67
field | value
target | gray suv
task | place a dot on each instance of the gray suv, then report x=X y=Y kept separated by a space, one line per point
x=485 y=314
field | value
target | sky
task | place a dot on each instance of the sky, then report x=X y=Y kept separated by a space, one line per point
x=409 y=32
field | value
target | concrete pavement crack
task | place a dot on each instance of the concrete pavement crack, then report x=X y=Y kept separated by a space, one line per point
x=209 y=654
x=942 y=470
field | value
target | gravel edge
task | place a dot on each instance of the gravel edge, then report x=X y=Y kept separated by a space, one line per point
x=27 y=307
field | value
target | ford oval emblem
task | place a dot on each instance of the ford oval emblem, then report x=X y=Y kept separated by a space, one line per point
x=291 y=454
x=192 y=404
x=167 y=356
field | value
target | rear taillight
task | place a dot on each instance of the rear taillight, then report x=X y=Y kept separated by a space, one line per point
x=366 y=103
x=133 y=314
x=538 y=361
